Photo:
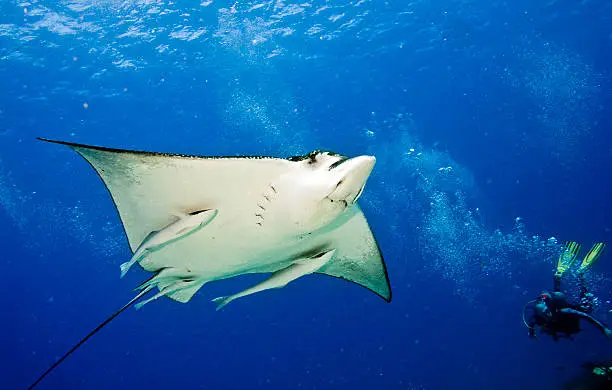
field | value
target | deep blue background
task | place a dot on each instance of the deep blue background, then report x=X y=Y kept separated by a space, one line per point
x=514 y=96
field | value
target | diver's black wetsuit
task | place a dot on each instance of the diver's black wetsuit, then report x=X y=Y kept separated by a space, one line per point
x=555 y=315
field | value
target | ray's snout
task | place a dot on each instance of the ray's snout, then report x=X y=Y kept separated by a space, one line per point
x=352 y=175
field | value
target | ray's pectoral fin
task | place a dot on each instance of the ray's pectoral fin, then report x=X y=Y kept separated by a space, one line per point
x=282 y=277
x=185 y=225
x=358 y=258
x=368 y=271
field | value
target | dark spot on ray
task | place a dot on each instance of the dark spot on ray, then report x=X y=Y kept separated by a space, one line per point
x=273 y=189
x=196 y=212
x=267 y=197
x=312 y=252
x=337 y=163
x=312 y=156
x=297 y=158
x=261 y=207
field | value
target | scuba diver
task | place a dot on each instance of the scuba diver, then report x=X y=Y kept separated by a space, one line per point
x=552 y=312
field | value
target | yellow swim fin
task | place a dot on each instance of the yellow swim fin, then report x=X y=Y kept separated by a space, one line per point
x=591 y=257
x=567 y=257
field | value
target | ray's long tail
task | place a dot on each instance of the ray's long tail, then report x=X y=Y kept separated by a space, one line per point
x=84 y=339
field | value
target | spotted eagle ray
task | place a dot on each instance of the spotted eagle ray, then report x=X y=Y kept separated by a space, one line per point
x=191 y=220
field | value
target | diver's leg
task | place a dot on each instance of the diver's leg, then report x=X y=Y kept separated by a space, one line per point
x=591 y=257
x=557 y=283
x=586 y=298
x=567 y=258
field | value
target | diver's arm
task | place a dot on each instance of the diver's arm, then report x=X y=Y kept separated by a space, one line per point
x=604 y=329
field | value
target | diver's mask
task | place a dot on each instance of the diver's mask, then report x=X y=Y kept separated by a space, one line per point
x=542 y=310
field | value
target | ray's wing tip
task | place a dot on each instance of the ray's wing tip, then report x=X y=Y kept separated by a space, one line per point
x=55 y=141
x=389 y=297
x=386 y=296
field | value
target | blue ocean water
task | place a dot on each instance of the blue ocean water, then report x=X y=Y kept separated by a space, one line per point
x=490 y=122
